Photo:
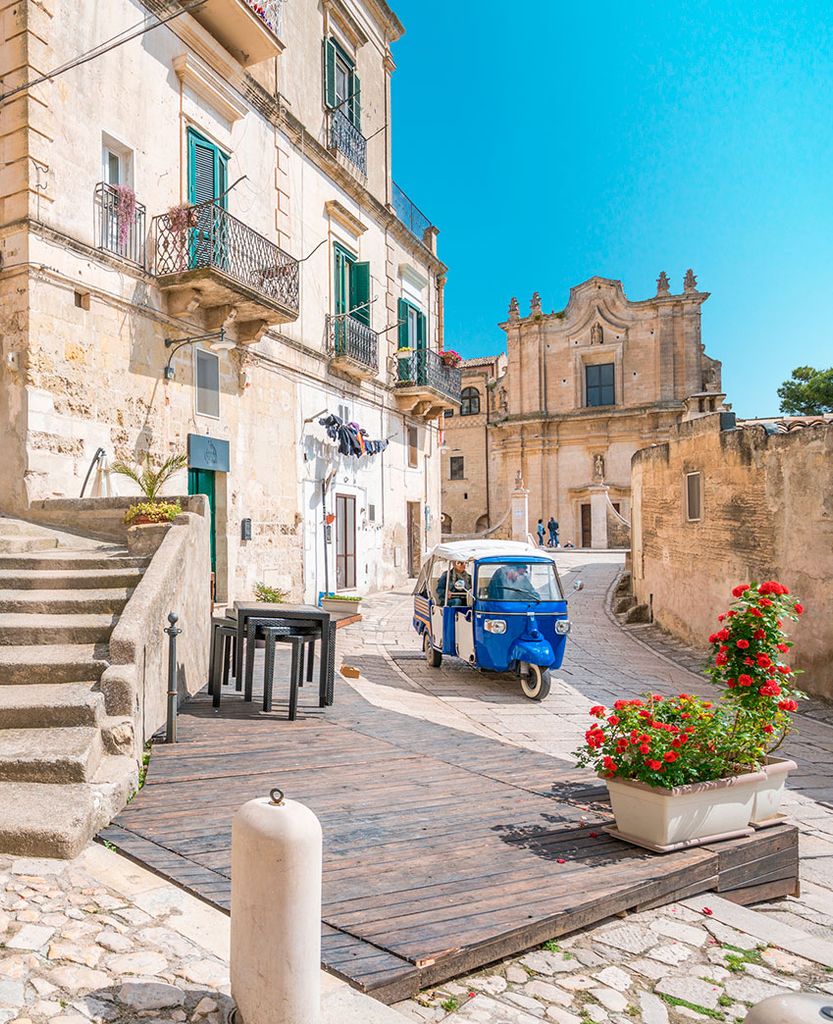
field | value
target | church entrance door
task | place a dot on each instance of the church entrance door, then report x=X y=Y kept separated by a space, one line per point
x=586 y=527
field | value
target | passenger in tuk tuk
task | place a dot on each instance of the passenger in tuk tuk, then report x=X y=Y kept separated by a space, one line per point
x=459 y=582
x=511 y=583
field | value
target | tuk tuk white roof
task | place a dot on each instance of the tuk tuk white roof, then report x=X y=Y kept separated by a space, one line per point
x=466 y=550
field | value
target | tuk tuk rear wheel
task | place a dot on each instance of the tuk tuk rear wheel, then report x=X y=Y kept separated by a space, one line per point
x=536 y=685
x=432 y=656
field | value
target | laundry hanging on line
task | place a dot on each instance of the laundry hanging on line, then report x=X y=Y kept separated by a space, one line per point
x=351 y=438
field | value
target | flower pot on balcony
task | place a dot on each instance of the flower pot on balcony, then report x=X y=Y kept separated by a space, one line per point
x=672 y=819
x=765 y=809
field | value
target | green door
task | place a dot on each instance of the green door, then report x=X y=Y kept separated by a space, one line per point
x=201 y=481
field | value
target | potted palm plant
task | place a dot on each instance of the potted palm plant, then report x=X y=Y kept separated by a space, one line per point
x=150 y=479
x=682 y=771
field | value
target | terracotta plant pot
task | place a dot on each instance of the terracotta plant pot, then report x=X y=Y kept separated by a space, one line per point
x=672 y=819
x=768 y=795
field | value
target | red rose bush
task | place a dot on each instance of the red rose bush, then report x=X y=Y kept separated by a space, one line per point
x=672 y=741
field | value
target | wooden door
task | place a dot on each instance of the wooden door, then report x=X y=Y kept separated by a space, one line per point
x=414 y=545
x=586 y=527
x=345 y=542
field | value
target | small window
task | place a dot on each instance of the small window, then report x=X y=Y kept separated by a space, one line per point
x=456 y=467
x=693 y=497
x=371 y=513
x=599 y=384
x=208 y=383
x=413 y=447
x=116 y=161
x=448 y=413
x=469 y=402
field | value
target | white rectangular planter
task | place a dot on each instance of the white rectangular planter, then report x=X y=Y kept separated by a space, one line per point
x=765 y=809
x=668 y=819
x=332 y=604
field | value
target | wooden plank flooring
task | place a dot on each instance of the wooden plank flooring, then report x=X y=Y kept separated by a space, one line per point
x=443 y=851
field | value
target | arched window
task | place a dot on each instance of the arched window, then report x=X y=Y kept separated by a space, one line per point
x=469 y=402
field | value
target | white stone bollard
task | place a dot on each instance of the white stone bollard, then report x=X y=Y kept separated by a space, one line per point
x=796 y=1008
x=276 y=912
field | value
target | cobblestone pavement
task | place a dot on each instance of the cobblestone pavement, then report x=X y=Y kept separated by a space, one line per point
x=102 y=939
x=654 y=964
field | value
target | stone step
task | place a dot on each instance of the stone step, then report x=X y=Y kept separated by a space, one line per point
x=64 y=559
x=68 y=579
x=44 y=706
x=50 y=755
x=17 y=629
x=19 y=544
x=52 y=663
x=17 y=527
x=53 y=820
x=64 y=602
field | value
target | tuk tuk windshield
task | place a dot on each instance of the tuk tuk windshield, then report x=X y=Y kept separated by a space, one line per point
x=518 y=581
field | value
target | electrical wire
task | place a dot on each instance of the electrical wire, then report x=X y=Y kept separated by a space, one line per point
x=107 y=46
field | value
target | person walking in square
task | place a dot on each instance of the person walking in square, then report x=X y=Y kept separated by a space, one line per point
x=540 y=529
x=552 y=526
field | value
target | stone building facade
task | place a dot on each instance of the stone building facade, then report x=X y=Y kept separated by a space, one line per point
x=715 y=507
x=224 y=176
x=575 y=395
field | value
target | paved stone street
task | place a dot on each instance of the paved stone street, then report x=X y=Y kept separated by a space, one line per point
x=669 y=965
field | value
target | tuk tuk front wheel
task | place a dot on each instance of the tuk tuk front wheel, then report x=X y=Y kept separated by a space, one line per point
x=432 y=656
x=536 y=685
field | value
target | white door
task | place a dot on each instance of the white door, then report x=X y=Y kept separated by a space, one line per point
x=439 y=574
x=464 y=634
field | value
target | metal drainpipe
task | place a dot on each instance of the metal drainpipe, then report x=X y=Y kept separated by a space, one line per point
x=486 y=439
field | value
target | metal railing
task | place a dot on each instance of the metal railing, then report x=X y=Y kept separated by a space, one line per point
x=118 y=230
x=353 y=340
x=346 y=138
x=207 y=237
x=270 y=12
x=409 y=213
x=426 y=368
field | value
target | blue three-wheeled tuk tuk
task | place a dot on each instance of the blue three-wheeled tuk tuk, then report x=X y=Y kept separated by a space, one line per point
x=497 y=605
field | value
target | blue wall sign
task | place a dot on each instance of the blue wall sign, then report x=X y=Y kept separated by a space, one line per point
x=208 y=453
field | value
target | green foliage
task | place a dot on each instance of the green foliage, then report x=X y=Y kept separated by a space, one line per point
x=155 y=511
x=808 y=392
x=343 y=597
x=704 y=1010
x=147 y=476
x=724 y=1000
x=274 y=595
x=449 y=1005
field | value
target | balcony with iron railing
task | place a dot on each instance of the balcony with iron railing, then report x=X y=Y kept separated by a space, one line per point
x=204 y=257
x=249 y=29
x=347 y=140
x=120 y=223
x=353 y=347
x=410 y=215
x=426 y=384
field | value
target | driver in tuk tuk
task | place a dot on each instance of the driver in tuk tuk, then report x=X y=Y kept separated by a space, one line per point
x=512 y=583
x=459 y=583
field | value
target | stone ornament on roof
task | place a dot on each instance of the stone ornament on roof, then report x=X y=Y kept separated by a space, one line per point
x=690 y=281
x=663 y=285
x=535 y=305
x=514 y=309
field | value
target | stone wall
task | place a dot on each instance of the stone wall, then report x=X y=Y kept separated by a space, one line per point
x=767 y=512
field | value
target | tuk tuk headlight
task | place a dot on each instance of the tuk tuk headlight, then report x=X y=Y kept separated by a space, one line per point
x=563 y=626
x=494 y=626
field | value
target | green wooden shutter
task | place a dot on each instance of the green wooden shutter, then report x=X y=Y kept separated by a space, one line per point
x=360 y=291
x=341 y=264
x=330 y=73
x=207 y=170
x=356 y=101
x=402 y=317
x=420 y=330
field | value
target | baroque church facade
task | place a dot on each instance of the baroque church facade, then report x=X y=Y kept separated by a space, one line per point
x=563 y=410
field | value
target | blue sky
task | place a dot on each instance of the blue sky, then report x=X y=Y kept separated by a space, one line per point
x=550 y=142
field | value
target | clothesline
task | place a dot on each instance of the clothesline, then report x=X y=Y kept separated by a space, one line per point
x=351 y=438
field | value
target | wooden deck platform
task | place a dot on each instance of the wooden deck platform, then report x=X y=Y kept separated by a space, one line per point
x=443 y=851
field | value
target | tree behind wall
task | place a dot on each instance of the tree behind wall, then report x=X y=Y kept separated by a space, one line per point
x=808 y=392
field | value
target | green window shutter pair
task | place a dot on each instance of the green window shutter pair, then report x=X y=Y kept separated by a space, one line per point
x=352 y=285
x=207 y=170
x=352 y=109
x=403 y=309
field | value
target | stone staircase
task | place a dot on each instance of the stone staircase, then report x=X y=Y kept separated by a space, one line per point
x=66 y=766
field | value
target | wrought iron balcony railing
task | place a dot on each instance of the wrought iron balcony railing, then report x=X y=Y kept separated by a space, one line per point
x=425 y=368
x=207 y=237
x=270 y=12
x=410 y=214
x=346 y=138
x=120 y=223
x=353 y=340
